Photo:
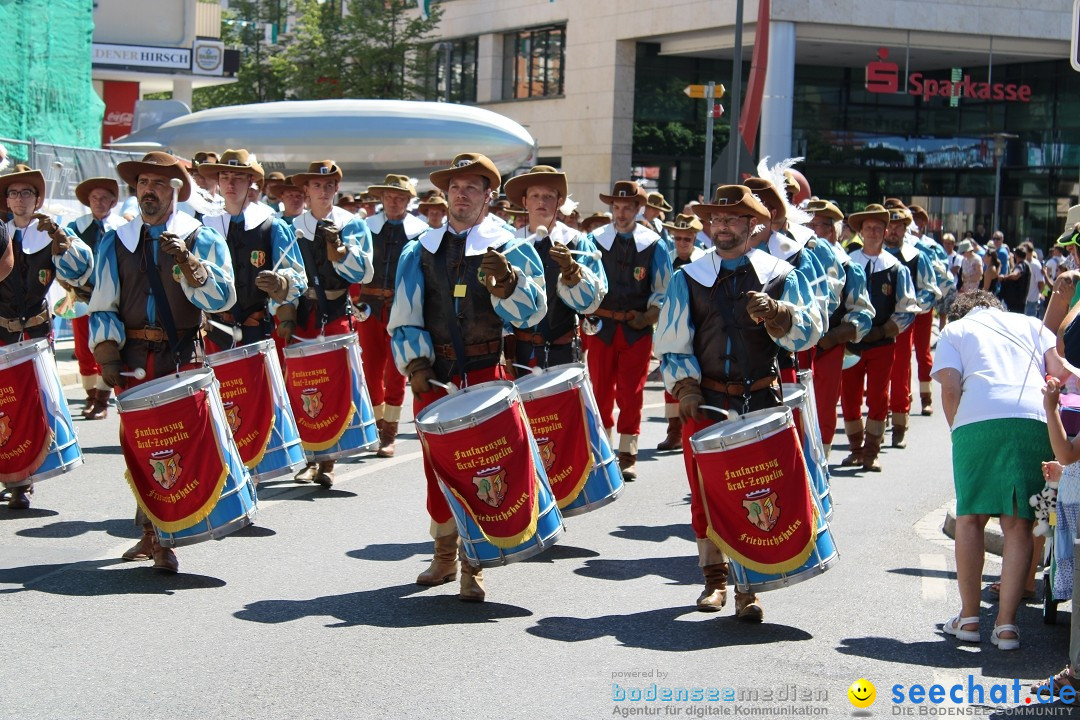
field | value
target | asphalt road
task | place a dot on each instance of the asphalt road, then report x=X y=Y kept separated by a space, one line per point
x=313 y=612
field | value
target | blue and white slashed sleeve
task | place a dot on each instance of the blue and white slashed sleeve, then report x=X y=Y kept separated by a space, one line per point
x=218 y=293
x=673 y=340
x=527 y=305
x=356 y=267
x=283 y=243
x=660 y=273
x=587 y=295
x=907 y=304
x=835 y=274
x=408 y=338
x=859 y=310
x=105 y=301
x=806 y=324
x=926 y=288
x=76 y=264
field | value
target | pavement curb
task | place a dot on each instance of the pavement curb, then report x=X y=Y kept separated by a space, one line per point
x=992 y=537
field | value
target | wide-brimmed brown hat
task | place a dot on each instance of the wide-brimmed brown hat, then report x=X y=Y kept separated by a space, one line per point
x=22 y=174
x=437 y=201
x=918 y=213
x=897 y=209
x=516 y=187
x=322 y=170
x=594 y=221
x=733 y=200
x=83 y=189
x=516 y=210
x=203 y=156
x=401 y=183
x=625 y=190
x=276 y=186
x=768 y=194
x=872 y=212
x=467 y=164
x=501 y=204
x=234 y=161
x=685 y=222
x=824 y=208
x=346 y=199
x=160 y=163
x=656 y=200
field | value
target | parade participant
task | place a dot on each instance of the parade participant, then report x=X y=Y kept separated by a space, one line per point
x=924 y=276
x=849 y=321
x=596 y=220
x=501 y=209
x=893 y=297
x=575 y=284
x=946 y=284
x=391 y=230
x=638 y=270
x=258 y=242
x=368 y=204
x=100 y=195
x=207 y=184
x=455 y=289
x=336 y=248
x=653 y=216
x=434 y=209
x=683 y=232
x=269 y=196
x=724 y=318
x=292 y=200
x=152 y=281
x=348 y=203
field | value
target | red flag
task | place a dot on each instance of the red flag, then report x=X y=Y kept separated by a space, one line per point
x=561 y=429
x=25 y=435
x=320 y=392
x=249 y=405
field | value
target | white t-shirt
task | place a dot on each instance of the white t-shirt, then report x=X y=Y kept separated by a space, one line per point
x=1036 y=278
x=1000 y=357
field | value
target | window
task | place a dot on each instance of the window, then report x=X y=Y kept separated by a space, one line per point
x=534 y=63
x=462 y=64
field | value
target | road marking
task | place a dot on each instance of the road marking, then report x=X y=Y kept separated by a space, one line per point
x=934 y=583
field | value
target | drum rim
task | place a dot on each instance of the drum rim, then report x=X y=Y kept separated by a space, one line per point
x=556 y=386
x=15 y=354
x=798 y=391
x=327 y=344
x=444 y=427
x=223 y=357
x=785 y=418
x=202 y=378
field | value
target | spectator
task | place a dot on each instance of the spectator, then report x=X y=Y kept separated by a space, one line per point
x=1014 y=284
x=1035 y=283
x=991 y=271
x=971 y=268
x=991 y=367
x=997 y=242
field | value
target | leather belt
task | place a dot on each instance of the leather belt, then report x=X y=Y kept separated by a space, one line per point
x=376 y=292
x=538 y=339
x=252 y=320
x=153 y=334
x=475 y=350
x=616 y=315
x=737 y=389
x=17 y=325
x=330 y=294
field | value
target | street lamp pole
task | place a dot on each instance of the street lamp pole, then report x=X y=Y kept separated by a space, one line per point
x=999 y=159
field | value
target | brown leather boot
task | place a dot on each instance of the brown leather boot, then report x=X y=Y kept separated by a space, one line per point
x=472 y=581
x=386 y=439
x=628 y=465
x=20 y=497
x=871 y=450
x=927 y=404
x=855 y=456
x=325 y=475
x=899 y=430
x=144 y=549
x=673 y=441
x=747 y=607
x=91 y=399
x=714 y=596
x=307 y=474
x=100 y=409
x=164 y=558
x=444 y=566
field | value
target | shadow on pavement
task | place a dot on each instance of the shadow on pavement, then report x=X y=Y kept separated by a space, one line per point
x=93 y=578
x=654 y=533
x=663 y=629
x=252 y=531
x=103 y=450
x=317 y=493
x=391 y=607
x=33 y=512
x=680 y=570
x=562 y=552
x=73 y=528
x=392 y=551
x=945 y=574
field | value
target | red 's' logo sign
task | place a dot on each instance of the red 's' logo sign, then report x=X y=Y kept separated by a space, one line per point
x=882 y=76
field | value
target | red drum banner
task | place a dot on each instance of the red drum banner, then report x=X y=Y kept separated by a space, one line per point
x=489 y=469
x=25 y=436
x=249 y=407
x=176 y=466
x=561 y=429
x=320 y=392
x=758 y=504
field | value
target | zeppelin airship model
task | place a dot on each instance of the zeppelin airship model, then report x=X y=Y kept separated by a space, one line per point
x=367 y=138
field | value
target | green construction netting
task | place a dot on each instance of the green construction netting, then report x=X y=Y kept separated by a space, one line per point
x=46 y=92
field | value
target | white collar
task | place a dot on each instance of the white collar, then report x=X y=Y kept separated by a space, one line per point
x=255 y=214
x=33 y=239
x=561 y=233
x=111 y=221
x=783 y=247
x=704 y=269
x=180 y=224
x=413 y=225
x=489 y=233
x=884 y=260
x=338 y=216
x=643 y=236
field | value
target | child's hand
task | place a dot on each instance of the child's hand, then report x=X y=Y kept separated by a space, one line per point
x=1052 y=471
x=1051 y=393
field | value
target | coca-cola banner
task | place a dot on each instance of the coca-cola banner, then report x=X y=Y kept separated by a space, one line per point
x=120 y=98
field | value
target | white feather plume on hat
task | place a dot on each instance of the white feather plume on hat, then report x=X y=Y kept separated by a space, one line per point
x=775 y=175
x=569 y=206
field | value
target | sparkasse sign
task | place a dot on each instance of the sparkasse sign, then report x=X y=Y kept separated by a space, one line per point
x=883 y=76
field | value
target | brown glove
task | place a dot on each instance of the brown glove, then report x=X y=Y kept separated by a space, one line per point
x=688 y=392
x=891 y=328
x=842 y=333
x=335 y=249
x=286 y=317
x=107 y=355
x=61 y=241
x=420 y=374
x=499 y=276
x=176 y=248
x=641 y=320
x=763 y=309
x=571 y=271
x=273 y=284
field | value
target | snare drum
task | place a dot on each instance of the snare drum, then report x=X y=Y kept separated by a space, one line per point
x=758 y=501
x=479 y=444
x=330 y=401
x=258 y=410
x=580 y=465
x=798 y=398
x=35 y=422
x=169 y=428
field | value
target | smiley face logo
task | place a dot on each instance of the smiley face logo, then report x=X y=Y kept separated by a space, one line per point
x=862 y=693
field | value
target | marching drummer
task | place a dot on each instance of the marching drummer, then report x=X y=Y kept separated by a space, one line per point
x=455 y=288
x=268 y=271
x=575 y=283
x=43 y=251
x=100 y=195
x=638 y=269
x=391 y=229
x=152 y=281
x=336 y=248
x=725 y=317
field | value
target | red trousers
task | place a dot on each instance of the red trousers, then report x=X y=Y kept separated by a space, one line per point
x=437 y=507
x=874 y=369
x=828 y=365
x=697 y=506
x=618 y=375
x=900 y=391
x=80 y=328
x=385 y=384
x=921 y=329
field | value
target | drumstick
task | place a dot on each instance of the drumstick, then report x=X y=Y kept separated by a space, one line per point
x=137 y=373
x=175 y=184
x=450 y=388
x=299 y=235
x=533 y=370
x=715 y=409
x=587 y=253
x=58 y=167
x=237 y=333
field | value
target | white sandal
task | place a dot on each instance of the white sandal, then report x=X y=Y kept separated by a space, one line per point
x=1005 y=643
x=955 y=627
